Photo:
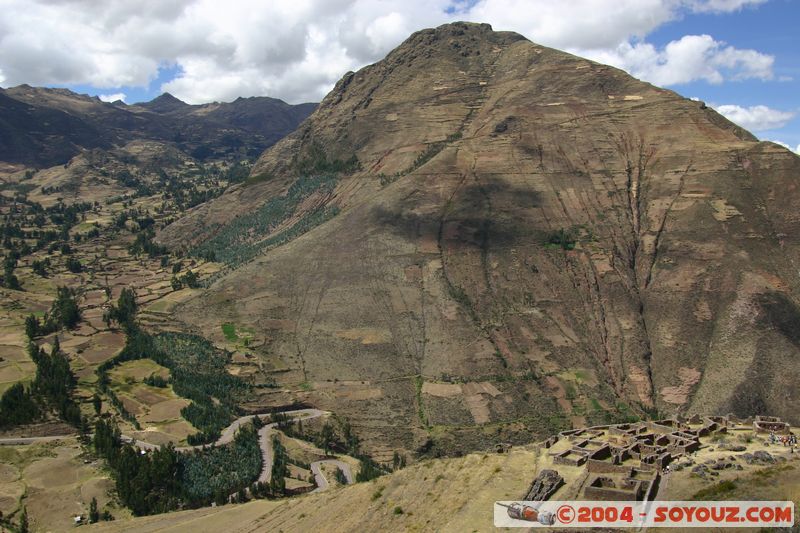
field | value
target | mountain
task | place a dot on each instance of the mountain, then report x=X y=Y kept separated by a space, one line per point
x=43 y=127
x=480 y=239
x=165 y=103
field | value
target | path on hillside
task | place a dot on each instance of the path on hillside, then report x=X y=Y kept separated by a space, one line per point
x=226 y=437
x=265 y=438
x=319 y=477
x=265 y=442
x=23 y=441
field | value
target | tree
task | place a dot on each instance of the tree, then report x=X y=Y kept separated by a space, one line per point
x=74 y=265
x=17 y=406
x=32 y=326
x=398 y=461
x=349 y=437
x=10 y=280
x=368 y=470
x=94 y=514
x=40 y=267
x=190 y=279
x=176 y=283
x=23 y=521
x=125 y=311
x=326 y=437
x=98 y=404
x=65 y=311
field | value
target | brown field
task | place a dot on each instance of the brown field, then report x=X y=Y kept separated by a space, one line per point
x=103 y=346
x=56 y=484
x=157 y=410
x=137 y=370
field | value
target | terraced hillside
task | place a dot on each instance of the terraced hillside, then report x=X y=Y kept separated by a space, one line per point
x=513 y=240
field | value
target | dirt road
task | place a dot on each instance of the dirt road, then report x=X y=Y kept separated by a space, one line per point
x=319 y=477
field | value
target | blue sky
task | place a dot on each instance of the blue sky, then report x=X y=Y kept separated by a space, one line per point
x=770 y=28
x=737 y=55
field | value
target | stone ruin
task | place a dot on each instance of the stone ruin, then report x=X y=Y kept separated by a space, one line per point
x=626 y=461
x=543 y=486
x=770 y=424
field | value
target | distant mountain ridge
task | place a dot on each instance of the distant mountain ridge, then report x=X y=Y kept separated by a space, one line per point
x=42 y=127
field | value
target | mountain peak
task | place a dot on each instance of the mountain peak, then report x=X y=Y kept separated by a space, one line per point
x=165 y=103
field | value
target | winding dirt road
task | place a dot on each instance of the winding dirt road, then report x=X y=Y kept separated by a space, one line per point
x=226 y=437
x=319 y=477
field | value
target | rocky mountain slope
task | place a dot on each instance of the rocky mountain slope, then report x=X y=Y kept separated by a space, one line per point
x=479 y=238
x=42 y=127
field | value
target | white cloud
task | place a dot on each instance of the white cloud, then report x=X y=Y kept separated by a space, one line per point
x=785 y=145
x=756 y=118
x=691 y=58
x=112 y=97
x=721 y=6
x=297 y=50
x=577 y=24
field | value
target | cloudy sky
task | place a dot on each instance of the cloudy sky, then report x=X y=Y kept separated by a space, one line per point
x=738 y=55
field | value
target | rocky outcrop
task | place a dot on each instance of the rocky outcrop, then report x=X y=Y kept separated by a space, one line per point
x=543 y=486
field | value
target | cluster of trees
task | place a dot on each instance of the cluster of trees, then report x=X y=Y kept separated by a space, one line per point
x=316 y=161
x=95 y=515
x=60 y=215
x=40 y=266
x=154 y=380
x=51 y=389
x=241 y=239
x=564 y=238
x=55 y=382
x=146 y=483
x=124 y=313
x=197 y=369
x=211 y=473
x=189 y=279
x=280 y=467
x=10 y=280
x=186 y=193
x=341 y=438
x=67 y=216
x=164 y=480
x=199 y=373
x=73 y=264
x=64 y=313
x=63 y=216
x=144 y=244
x=18 y=407
x=236 y=173
x=339 y=476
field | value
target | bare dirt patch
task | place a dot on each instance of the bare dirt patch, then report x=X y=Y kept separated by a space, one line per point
x=679 y=394
x=442 y=390
x=103 y=346
x=365 y=335
x=166 y=410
